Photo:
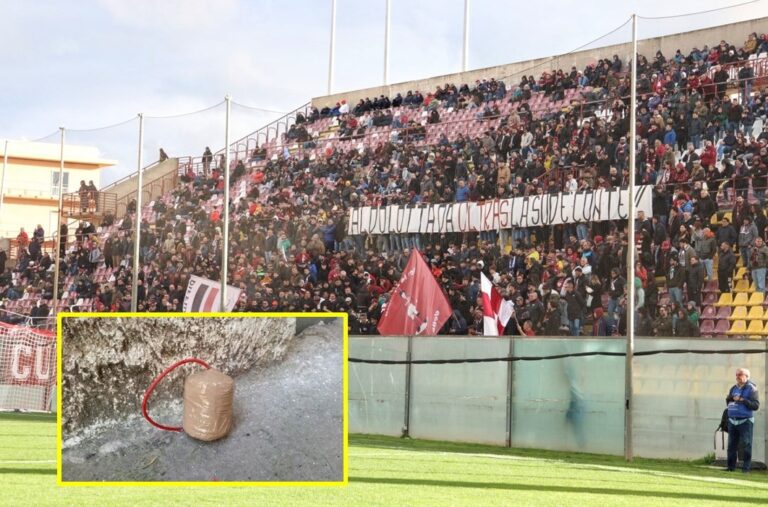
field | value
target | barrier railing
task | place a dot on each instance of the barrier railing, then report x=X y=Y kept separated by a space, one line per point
x=89 y=204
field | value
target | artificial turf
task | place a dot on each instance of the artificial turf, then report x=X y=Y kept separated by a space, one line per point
x=392 y=471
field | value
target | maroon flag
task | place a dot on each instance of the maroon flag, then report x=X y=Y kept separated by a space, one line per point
x=417 y=305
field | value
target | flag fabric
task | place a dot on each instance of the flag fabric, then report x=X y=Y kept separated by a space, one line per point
x=496 y=310
x=203 y=295
x=417 y=305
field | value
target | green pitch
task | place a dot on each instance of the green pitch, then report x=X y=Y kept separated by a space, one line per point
x=390 y=471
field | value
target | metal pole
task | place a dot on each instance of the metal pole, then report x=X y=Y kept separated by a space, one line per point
x=225 y=212
x=2 y=181
x=58 y=226
x=333 y=46
x=465 y=52
x=387 y=23
x=407 y=418
x=137 y=236
x=510 y=387
x=631 y=247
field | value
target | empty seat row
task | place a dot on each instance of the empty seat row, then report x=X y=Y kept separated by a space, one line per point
x=740 y=299
x=755 y=328
x=748 y=313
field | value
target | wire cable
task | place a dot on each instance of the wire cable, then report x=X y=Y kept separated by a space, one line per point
x=184 y=114
x=700 y=12
x=259 y=108
x=57 y=132
x=103 y=128
x=525 y=71
x=148 y=392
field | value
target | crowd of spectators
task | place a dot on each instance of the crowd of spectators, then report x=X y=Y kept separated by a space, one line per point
x=289 y=248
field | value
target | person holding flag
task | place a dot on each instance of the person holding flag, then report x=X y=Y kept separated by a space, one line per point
x=417 y=305
x=496 y=310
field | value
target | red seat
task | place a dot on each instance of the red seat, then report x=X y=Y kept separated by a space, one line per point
x=723 y=312
x=708 y=327
x=722 y=327
x=710 y=298
x=711 y=286
x=710 y=312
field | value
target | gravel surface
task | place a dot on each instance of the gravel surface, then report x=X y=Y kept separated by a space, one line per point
x=288 y=427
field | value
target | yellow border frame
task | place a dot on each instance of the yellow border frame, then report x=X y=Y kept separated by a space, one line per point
x=298 y=315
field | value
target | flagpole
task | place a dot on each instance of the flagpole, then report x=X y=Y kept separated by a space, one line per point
x=628 y=385
x=225 y=212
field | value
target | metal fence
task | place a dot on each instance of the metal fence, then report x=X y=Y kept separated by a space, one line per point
x=566 y=404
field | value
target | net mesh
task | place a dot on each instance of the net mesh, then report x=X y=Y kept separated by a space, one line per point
x=27 y=368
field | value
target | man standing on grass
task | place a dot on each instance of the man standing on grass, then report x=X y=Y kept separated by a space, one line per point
x=742 y=402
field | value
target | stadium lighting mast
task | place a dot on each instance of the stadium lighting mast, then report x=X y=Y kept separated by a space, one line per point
x=225 y=211
x=465 y=51
x=137 y=236
x=387 y=24
x=333 y=46
x=58 y=225
x=631 y=249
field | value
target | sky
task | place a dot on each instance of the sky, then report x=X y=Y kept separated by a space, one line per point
x=86 y=64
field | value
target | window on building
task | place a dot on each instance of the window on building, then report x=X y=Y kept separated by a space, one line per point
x=55 y=183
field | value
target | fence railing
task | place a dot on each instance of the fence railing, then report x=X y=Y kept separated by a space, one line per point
x=566 y=404
x=9 y=317
x=95 y=203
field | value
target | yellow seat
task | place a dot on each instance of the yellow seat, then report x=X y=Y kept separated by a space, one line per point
x=756 y=313
x=729 y=216
x=740 y=273
x=725 y=300
x=756 y=299
x=755 y=328
x=753 y=287
x=741 y=299
x=739 y=313
x=765 y=331
x=740 y=263
x=742 y=285
x=739 y=327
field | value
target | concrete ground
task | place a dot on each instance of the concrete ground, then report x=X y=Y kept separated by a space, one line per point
x=288 y=427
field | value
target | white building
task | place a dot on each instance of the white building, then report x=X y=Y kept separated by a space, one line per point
x=29 y=185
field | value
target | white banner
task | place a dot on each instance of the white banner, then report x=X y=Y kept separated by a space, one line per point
x=203 y=295
x=531 y=211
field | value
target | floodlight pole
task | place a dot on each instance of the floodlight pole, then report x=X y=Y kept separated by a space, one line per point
x=333 y=46
x=225 y=211
x=137 y=236
x=631 y=249
x=465 y=52
x=2 y=181
x=387 y=23
x=60 y=214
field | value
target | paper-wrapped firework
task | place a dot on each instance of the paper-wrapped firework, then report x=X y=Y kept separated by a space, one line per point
x=208 y=404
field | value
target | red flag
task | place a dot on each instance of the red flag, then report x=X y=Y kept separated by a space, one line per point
x=417 y=305
x=496 y=311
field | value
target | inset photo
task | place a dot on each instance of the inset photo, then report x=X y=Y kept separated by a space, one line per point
x=242 y=398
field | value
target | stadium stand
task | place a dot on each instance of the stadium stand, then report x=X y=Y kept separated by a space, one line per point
x=702 y=141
